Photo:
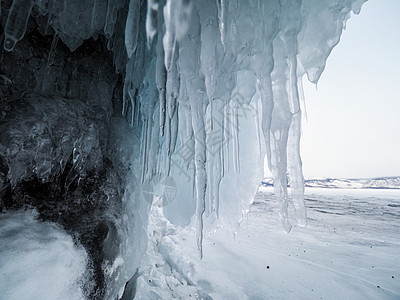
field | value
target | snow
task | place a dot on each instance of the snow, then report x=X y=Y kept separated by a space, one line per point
x=348 y=251
x=39 y=260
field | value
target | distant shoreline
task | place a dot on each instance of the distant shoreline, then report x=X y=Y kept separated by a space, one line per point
x=344 y=183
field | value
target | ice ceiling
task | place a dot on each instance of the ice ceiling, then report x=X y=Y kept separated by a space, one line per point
x=208 y=86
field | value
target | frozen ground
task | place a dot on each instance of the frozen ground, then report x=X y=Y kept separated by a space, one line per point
x=349 y=250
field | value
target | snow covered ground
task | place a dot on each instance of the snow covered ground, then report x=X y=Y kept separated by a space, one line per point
x=349 y=250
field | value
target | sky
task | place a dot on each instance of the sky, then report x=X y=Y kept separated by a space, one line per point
x=353 y=126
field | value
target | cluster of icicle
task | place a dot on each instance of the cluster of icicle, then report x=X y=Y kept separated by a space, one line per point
x=201 y=46
x=195 y=49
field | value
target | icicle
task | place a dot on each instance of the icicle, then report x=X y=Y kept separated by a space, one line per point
x=169 y=39
x=172 y=85
x=293 y=148
x=151 y=20
x=16 y=23
x=235 y=125
x=147 y=157
x=295 y=170
x=168 y=143
x=234 y=122
x=200 y=159
x=221 y=4
x=132 y=96
x=152 y=134
x=226 y=132
x=278 y=162
x=110 y=19
x=215 y=159
x=216 y=183
x=280 y=123
x=209 y=38
x=177 y=21
x=155 y=143
x=291 y=30
x=222 y=151
x=144 y=140
x=174 y=132
x=132 y=27
x=160 y=71
x=258 y=131
x=50 y=60
x=162 y=110
x=138 y=103
x=301 y=95
x=267 y=104
x=189 y=58
x=209 y=164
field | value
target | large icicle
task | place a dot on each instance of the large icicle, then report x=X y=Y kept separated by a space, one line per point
x=290 y=31
x=161 y=70
x=221 y=5
x=169 y=39
x=189 y=59
x=16 y=22
x=209 y=38
x=263 y=64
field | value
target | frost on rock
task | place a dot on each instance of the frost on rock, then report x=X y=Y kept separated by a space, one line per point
x=209 y=88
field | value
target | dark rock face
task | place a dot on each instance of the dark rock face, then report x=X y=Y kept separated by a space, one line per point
x=59 y=110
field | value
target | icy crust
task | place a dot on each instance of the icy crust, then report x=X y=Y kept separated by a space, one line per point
x=41 y=135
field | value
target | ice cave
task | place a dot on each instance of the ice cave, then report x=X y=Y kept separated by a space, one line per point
x=133 y=139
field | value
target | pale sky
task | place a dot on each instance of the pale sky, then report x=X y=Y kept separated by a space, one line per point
x=353 y=127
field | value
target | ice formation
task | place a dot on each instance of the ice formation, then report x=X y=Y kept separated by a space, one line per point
x=209 y=87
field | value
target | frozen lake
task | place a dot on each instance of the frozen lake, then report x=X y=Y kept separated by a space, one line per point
x=349 y=250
